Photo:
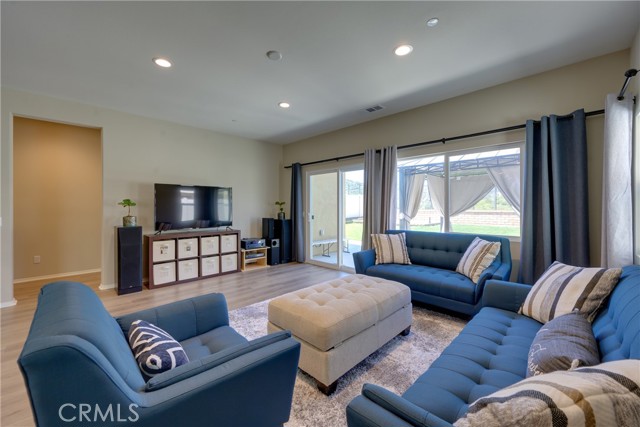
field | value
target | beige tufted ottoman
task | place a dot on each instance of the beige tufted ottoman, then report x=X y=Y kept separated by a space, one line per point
x=341 y=322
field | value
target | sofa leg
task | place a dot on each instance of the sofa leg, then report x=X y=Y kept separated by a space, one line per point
x=328 y=389
x=406 y=331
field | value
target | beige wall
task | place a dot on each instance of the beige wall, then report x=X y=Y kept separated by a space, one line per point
x=137 y=152
x=57 y=205
x=561 y=91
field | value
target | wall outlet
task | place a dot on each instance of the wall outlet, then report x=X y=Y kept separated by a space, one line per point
x=36 y=259
x=321 y=231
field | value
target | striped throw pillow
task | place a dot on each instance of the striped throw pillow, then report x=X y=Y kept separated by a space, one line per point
x=607 y=394
x=478 y=256
x=564 y=288
x=390 y=248
x=154 y=349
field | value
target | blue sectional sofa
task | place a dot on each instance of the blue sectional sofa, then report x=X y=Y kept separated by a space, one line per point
x=432 y=276
x=79 y=369
x=491 y=353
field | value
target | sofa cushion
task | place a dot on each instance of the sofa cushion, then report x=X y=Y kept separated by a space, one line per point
x=490 y=353
x=617 y=327
x=390 y=248
x=478 y=256
x=563 y=343
x=563 y=288
x=154 y=349
x=606 y=394
x=212 y=342
x=428 y=280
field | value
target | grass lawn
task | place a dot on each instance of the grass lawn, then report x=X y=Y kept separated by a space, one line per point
x=353 y=231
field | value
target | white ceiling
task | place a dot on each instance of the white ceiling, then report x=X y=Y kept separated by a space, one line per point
x=337 y=56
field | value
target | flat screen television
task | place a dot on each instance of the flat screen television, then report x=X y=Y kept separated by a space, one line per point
x=192 y=206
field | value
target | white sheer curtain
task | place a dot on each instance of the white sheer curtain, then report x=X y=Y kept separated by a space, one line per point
x=617 y=205
x=507 y=179
x=379 y=192
x=412 y=193
x=464 y=192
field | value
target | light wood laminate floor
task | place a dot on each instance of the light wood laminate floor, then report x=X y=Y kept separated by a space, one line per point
x=240 y=289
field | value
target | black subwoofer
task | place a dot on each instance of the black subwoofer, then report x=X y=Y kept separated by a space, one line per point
x=129 y=259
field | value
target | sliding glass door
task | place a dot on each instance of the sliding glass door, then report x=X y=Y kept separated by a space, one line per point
x=334 y=216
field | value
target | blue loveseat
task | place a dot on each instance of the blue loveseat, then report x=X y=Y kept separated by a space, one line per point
x=432 y=276
x=490 y=353
x=79 y=369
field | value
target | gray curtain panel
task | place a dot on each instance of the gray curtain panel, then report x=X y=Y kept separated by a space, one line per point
x=379 y=192
x=617 y=205
x=297 y=220
x=555 y=222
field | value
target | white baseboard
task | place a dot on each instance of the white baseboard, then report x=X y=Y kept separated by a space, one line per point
x=56 y=276
x=103 y=287
x=8 y=304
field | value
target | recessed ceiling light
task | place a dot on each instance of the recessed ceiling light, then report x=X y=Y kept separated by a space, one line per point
x=162 y=62
x=432 y=22
x=403 y=50
x=274 y=55
x=284 y=104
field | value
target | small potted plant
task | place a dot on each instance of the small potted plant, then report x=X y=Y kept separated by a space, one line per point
x=128 y=220
x=281 y=212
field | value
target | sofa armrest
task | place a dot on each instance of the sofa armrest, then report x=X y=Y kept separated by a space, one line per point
x=505 y=295
x=503 y=272
x=197 y=366
x=408 y=412
x=183 y=319
x=363 y=260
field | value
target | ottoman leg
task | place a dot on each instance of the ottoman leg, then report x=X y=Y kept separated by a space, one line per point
x=328 y=389
x=406 y=331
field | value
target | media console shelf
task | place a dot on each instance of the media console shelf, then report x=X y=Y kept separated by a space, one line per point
x=178 y=257
x=253 y=258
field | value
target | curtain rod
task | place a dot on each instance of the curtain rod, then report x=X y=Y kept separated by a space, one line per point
x=438 y=141
x=628 y=74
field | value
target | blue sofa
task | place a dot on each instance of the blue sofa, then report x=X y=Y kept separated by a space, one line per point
x=491 y=353
x=79 y=369
x=432 y=276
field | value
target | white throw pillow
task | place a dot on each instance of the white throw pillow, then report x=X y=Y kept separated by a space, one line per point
x=478 y=256
x=390 y=248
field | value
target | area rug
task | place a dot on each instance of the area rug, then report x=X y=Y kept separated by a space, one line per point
x=395 y=366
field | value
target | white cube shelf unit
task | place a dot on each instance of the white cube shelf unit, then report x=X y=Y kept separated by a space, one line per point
x=178 y=257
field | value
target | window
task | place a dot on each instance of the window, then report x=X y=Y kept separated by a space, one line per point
x=467 y=192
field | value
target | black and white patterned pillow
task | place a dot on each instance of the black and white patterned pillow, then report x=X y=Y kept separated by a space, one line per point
x=154 y=349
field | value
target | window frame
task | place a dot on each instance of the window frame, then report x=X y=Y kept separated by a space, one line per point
x=452 y=153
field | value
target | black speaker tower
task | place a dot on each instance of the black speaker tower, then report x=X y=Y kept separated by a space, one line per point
x=129 y=259
x=279 y=229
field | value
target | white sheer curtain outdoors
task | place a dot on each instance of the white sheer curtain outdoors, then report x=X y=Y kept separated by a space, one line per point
x=379 y=192
x=464 y=192
x=412 y=188
x=617 y=205
x=507 y=179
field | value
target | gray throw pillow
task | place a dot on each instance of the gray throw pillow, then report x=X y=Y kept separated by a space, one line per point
x=563 y=343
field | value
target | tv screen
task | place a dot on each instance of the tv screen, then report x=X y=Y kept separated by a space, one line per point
x=192 y=206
